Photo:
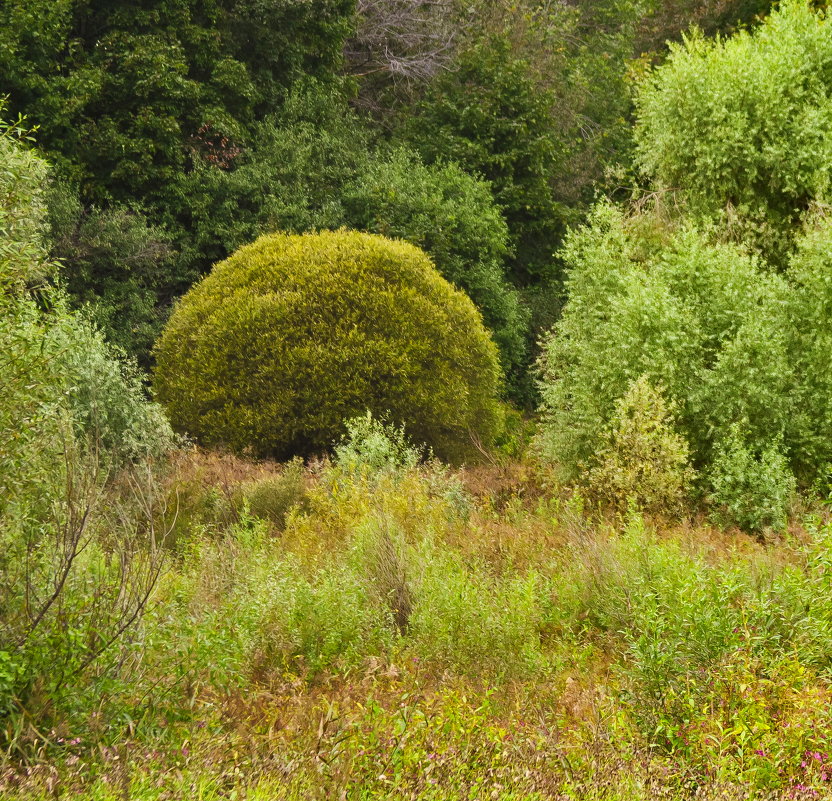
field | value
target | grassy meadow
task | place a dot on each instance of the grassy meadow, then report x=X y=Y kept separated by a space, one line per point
x=368 y=629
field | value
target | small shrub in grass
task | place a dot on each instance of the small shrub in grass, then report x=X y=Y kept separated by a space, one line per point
x=643 y=460
x=270 y=612
x=272 y=498
x=750 y=490
x=674 y=614
x=381 y=553
x=375 y=449
x=372 y=446
x=633 y=582
x=292 y=335
x=798 y=608
x=442 y=483
x=311 y=622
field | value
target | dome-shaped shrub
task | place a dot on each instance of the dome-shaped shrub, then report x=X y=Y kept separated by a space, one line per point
x=291 y=335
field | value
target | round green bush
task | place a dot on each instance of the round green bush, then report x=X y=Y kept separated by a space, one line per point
x=293 y=334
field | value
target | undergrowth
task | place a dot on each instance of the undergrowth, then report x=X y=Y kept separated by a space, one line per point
x=409 y=632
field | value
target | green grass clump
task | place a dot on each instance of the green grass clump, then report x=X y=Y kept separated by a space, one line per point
x=273 y=497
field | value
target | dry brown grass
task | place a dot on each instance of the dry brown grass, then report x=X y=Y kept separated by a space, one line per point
x=218 y=469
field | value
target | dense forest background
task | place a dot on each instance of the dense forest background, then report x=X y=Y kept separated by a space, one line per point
x=179 y=130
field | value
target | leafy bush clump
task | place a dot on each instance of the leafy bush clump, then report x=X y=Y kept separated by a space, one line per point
x=751 y=490
x=292 y=335
x=702 y=320
x=743 y=124
x=643 y=459
x=473 y=621
x=808 y=312
x=730 y=342
x=314 y=168
x=373 y=446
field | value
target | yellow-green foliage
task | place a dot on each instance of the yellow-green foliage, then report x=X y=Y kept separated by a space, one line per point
x=742 y=125
x=643 y=460
x=293 y=334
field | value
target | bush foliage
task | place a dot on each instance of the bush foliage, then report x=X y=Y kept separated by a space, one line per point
x=750 y=490
x=23 y=258
x=642 y=460
x=78 y=550
x=742 y=125
x=294 y=334
x=454 y=219
x=732 y=342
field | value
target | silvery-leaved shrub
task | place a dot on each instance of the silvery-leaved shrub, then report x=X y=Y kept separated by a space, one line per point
x=701 y=319
x=731 y=341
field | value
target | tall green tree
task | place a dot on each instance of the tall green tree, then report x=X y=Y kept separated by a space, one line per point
x=492 y=118
x=129 y=93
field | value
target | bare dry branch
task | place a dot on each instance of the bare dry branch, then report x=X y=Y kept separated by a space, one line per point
x=407 y=40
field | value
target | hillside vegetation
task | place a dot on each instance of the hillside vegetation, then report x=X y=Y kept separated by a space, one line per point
x=408 y=399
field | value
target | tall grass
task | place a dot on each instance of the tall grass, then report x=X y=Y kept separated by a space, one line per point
x=398 y=637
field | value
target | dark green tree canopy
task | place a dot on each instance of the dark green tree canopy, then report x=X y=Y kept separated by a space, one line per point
x=490 y=116
x=126 y=93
